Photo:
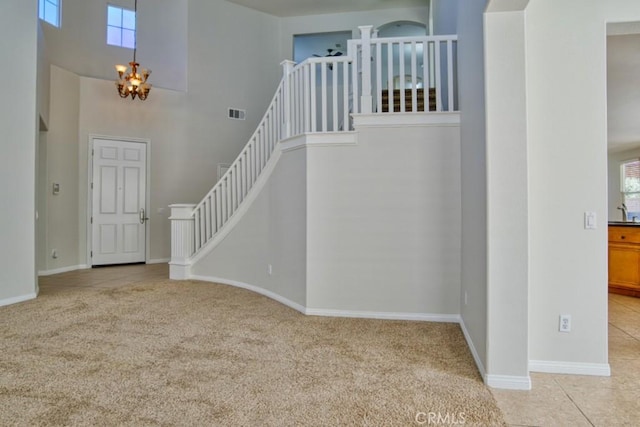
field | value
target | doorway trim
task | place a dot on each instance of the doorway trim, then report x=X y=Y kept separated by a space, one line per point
x=89 y=177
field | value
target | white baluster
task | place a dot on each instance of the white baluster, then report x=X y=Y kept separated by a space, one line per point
x=414 y=82
x=366 y=98
x=345 y=97
x=390 y=86
x=450 y=106
x=334 y=100
x=402 y=73
x=313 y=88
x=378 y=76
x=438 y=79
x=323 y=94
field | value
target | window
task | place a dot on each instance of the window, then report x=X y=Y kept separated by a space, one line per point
x=49 y=11
x=121 y=27
x=630 y=187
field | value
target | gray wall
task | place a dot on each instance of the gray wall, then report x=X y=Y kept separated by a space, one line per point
x=372 y=228
x=19 y=123
x=473 y=173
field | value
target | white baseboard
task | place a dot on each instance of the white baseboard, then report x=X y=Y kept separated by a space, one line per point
x=159 y=261
x=508 y=382
x=256 y=289
x=15 y=300
x=573 y=368
x=384 y=315
x=63 y=270
x=472 y=348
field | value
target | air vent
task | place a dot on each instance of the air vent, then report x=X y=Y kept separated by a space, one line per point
x=237 y=114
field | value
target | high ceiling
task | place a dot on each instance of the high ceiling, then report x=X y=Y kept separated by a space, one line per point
x=319 y=7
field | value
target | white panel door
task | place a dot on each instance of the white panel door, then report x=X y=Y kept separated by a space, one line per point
x=119 y=194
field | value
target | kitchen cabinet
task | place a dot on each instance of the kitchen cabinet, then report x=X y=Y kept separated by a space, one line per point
x=624 y=259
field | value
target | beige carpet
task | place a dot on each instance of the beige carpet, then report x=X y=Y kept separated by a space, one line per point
x=193 y=353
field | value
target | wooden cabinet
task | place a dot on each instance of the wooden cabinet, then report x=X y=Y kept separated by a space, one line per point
x=624 y=260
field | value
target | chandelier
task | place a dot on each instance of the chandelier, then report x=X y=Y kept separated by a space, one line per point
x=132 y=80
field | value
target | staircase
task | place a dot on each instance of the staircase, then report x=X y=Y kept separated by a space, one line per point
x=319 y=96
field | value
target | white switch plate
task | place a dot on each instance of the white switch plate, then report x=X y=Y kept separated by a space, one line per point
x=590 y=222
x=565 y=323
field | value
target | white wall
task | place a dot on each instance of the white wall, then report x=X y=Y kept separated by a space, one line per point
x=565 y=114
x=273 y=231
x=566 y=260
x=79 y=45
x=189 y=131
x=368 y=229
x=62 y=168
x=384 y=222
x=473 y=173
x=507 y=182
x=19 y=124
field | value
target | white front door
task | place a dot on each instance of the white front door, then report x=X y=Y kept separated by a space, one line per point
x=118 y=207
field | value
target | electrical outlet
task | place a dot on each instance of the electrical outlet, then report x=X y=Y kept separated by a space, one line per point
x=270 y=269
x=565 y=323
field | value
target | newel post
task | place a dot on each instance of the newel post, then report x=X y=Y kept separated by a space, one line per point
x=366 y=100
x=287 y=68
x=182 y=240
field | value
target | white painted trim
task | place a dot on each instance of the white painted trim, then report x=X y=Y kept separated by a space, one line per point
x=573 y=368
x=384 y=315
x=89 y=177
x=15 y=300
x=472 y=348
x=256 y=289
x=63 y=270
x=406 y=119
x=325 y=139
x=159 y=261
x=508 y=382
x=423 y=317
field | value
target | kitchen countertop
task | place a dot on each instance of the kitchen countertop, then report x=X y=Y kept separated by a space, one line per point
x=623 y=224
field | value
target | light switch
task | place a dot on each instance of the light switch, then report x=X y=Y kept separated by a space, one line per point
x=56 y=188
x=590 y=221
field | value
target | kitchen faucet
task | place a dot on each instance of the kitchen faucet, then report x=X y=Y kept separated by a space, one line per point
x=623 y=208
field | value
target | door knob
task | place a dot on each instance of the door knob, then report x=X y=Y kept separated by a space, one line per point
x=143 y=218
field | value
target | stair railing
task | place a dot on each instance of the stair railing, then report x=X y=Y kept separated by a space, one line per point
x=402 y=66
x=318 y=95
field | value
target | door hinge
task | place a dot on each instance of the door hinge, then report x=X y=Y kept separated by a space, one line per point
x=92 y=185
x=91 y=254
x=92 y=151
x=91 y=220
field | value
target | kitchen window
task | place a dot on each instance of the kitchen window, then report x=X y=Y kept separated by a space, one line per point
x=630 y=187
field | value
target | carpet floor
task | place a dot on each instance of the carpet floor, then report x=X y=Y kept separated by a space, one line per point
x=161 y=352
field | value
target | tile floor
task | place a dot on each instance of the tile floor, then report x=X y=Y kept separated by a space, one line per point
x=576 y=400
x=103 y=277
x=555 y=400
